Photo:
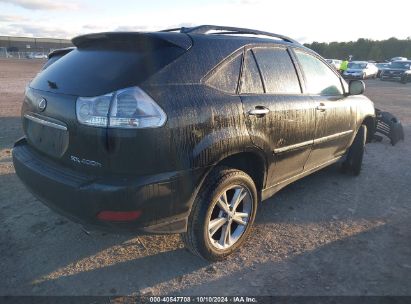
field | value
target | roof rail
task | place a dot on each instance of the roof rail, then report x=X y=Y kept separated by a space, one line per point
x=227 y=30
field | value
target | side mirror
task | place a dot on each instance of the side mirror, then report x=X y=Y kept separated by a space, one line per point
x=356 y=87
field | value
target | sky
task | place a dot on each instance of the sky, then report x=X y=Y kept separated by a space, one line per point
x=305 y=21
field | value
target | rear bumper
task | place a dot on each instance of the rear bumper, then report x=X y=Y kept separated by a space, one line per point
x=163 y=199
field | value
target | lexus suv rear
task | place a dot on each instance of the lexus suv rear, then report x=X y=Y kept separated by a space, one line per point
x=184 y=131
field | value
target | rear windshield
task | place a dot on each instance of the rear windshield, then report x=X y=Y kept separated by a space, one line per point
x=96 y=71
x=383 y=65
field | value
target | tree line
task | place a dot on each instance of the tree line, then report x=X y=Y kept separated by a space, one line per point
x=364 y=49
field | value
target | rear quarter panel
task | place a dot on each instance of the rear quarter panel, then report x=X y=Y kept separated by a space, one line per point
x=203 y=126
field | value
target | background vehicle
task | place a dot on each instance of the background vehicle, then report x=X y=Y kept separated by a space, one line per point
x=361 y=70
x=40 y=56
x=185 y=131
x=335 y=63
x=398 y=59
x=33 y=55
x=398 y=70
x=381 y=67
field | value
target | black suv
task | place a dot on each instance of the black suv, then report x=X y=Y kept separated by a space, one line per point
x=184 y=131
x=397 y=70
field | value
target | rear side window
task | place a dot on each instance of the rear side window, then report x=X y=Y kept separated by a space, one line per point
x=319 y=78
x=251 y=82
x=225 y=77
x=278 y=71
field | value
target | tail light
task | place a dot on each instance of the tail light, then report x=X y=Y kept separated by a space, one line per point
x=129 y=108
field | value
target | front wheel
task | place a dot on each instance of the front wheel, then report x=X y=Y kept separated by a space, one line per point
x=353 y=161
x=222 y=214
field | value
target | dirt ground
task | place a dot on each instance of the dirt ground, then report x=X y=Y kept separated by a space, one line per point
x=328 y=234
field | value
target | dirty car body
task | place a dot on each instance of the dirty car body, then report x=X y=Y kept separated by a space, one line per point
x=122 y=131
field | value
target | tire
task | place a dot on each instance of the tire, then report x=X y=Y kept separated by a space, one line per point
x=207 y=242
x=353 y=162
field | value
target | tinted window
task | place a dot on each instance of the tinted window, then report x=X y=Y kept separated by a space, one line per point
x=96 y=71
x=277 y=70
x=251 y=82
x=225 y=78
x=401 y=65
x=320 y=79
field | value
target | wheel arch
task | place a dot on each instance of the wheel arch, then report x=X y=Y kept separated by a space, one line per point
x=250 y=162
x=370 y=123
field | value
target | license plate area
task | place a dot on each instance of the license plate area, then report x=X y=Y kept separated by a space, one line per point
x=49 y=137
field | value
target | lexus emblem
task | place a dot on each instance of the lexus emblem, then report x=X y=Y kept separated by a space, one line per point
x=42 y=105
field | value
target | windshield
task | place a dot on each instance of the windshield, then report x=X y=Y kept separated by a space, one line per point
x=401 y=65
x=357 y=66
x=383 y=65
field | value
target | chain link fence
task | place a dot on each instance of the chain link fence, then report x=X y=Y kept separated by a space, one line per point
x=29 y=48
x=23 y=55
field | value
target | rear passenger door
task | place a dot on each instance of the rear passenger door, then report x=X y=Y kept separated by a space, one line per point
x=335 y=113
x=280 y=119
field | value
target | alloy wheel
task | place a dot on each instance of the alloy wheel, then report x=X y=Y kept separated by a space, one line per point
x=229 y=217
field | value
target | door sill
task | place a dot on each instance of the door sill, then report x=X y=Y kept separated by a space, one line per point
x=267 y=193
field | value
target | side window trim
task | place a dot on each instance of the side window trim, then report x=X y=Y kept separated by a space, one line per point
x=300 y=71
x=240 y=77
x=215 y=69
x=248 y=48
x=297 y=70
x=259 y=71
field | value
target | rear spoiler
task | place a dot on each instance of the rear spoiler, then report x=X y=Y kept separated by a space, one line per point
x=60 y=52
x=134 y=39
x=54 y=55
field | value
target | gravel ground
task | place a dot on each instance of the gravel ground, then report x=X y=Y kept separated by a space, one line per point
x=327 y=234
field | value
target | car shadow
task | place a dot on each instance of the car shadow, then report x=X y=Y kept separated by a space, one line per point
x=358 y=265
x=132 y=276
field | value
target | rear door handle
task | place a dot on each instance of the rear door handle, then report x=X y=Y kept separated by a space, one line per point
x=322 y=107
x=259 y=110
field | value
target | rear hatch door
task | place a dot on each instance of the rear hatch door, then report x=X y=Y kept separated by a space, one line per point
x=100 y=64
